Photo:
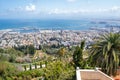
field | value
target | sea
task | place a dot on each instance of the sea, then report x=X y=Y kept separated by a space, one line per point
x=56 y=24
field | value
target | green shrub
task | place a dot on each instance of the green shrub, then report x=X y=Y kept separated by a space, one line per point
x=7 y=70
x=31 y=74
x=9 y=78
x=59 y=71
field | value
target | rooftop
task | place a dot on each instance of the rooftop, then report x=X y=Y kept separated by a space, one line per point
x=86 y=74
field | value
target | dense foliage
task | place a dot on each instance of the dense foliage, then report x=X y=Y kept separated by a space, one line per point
x=9 y=54
x=59 y=71
x=28 y=75
x=7 y=71
x=28 y=49
x=78 y=56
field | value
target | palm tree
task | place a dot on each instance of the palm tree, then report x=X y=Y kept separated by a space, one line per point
x=105 y=53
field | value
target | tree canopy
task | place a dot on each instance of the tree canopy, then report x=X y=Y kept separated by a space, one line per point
x=78 y=55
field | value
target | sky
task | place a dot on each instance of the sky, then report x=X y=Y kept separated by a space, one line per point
x=59 y=9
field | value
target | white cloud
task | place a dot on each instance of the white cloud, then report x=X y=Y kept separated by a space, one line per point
x=30 y=8
x=58 y=11
x=112 y=9
x=115 y=8
x=64 y=11
x=81 y=11
x=71 y=0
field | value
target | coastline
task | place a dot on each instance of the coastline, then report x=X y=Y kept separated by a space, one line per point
x=59 y=32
